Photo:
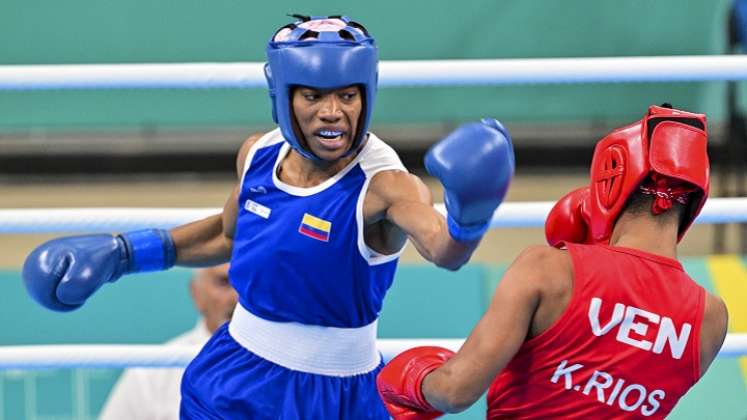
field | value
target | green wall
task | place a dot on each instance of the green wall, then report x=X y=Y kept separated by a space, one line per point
x=136 y=31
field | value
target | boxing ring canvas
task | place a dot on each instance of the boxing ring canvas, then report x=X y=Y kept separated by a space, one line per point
x=124 y=313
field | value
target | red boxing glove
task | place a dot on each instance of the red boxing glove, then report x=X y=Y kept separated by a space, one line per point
x=400 y=380
x=568 y=221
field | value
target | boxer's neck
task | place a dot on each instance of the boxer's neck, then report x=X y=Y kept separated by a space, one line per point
x=301 y=172
x=643 y=232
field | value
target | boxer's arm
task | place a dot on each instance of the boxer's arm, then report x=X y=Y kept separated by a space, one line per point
x=712 y=330
x=405 y=201
x=209 y=241
x=202 y=242
x=497 y=337
x=63 y=273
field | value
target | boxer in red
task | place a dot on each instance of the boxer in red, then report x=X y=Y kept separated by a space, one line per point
x=604 y=323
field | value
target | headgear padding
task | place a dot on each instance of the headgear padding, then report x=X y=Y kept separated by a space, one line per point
x=322 y=53
x=667 y=146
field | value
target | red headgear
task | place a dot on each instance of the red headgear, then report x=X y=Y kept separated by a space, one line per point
x=657 y=153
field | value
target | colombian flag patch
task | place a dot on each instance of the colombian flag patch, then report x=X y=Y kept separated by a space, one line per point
x=315 y=227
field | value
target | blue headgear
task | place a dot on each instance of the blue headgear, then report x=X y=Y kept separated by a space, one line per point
x=322 y=60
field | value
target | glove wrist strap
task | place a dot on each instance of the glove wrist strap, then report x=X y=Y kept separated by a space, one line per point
x=466 y=233
x=149 y=250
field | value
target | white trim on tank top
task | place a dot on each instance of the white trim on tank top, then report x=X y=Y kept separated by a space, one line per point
x=305 y=192
x=379 y=157
x=267 y=139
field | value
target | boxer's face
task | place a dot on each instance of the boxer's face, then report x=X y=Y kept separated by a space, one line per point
x=327 y=119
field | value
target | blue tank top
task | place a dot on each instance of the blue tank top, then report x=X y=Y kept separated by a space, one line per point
x=299 y=253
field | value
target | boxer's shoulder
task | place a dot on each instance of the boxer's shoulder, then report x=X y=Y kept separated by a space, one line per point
x=246 y=147
x=543 y=263
x=546 y=271
x=546 y=274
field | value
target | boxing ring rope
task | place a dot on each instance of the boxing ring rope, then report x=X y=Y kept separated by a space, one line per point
x=21 y=221
x=405 y=73
x=508 y=215
x=163 y=356
x=250 y=75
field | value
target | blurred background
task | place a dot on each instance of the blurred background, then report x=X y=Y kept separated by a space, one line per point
x=176 y=148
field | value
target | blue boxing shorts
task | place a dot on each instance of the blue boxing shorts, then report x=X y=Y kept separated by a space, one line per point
x=227 y=380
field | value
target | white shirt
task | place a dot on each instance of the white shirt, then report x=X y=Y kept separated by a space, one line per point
x=151 y=394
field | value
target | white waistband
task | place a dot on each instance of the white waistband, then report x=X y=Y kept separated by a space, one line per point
x=307 y=348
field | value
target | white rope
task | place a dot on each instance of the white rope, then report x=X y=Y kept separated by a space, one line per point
x=393 y=73
x=96 y=219
x=511 y=214
x=95 y=356
x=153 y=356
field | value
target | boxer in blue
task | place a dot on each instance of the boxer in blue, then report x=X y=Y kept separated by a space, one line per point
x=313 y=231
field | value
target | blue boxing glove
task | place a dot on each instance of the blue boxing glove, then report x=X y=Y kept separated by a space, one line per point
x=475 y=164
x=62 y=273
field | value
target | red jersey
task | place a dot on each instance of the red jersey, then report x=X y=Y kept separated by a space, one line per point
x=627 y=346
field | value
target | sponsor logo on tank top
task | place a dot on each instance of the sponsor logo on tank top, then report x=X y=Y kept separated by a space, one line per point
x=258 y=209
